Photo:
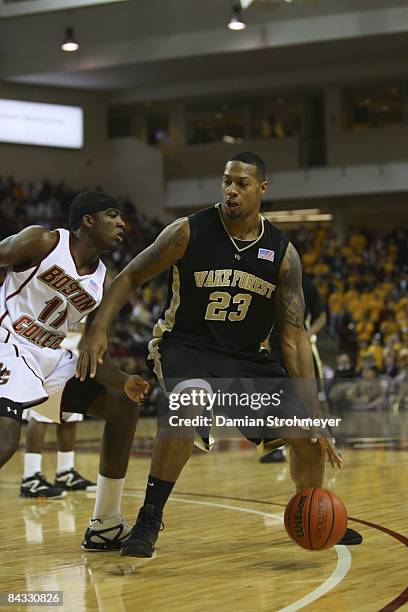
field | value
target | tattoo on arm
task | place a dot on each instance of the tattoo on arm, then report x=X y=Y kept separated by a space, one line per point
x=291 y=303
x=168 y=247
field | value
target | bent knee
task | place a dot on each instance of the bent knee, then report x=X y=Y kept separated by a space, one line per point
x=114 y=405
x=9 y=439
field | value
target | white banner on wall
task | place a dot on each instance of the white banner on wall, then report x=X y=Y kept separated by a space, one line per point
x=34 y=123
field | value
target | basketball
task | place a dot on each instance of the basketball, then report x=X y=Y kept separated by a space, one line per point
x=316 y=519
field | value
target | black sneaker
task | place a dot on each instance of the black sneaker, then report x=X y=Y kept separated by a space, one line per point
x=276 y=456
x=37 y=486
x=143 y=535
x=110 y=537
x=70 y=480
x=351 y=538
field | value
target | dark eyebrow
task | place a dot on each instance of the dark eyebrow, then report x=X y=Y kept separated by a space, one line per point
x=239 y=178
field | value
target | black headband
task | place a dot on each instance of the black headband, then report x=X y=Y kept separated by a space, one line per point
x=87 y=203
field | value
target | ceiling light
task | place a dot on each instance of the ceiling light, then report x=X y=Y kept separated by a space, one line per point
x=69 y=43
x=236 y=22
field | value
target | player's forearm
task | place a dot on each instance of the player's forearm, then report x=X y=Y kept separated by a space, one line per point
x=298 y=361
x=109 y=375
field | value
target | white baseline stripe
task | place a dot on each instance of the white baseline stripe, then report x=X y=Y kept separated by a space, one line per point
x=343 y=554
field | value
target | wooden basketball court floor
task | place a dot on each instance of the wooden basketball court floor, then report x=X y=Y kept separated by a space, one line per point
x=224 y=547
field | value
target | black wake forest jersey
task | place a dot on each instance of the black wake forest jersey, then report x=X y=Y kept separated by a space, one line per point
x=221 y=294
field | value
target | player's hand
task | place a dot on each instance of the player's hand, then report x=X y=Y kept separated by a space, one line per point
x=325 y=440
x=94 y=348
x=136 y=388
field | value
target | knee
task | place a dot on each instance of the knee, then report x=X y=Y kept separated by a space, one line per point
x=7 y=452
x=180 y=413
x=126 y=410
x=9 y=439
x=114 y=407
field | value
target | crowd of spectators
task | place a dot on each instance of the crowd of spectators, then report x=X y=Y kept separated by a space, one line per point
x=363 y=281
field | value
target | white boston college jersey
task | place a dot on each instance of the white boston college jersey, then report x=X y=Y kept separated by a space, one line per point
x=38 y=305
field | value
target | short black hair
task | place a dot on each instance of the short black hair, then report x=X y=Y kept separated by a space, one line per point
x=253 y=160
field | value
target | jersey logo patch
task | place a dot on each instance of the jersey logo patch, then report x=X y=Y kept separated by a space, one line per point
x=266 y=254
x=4 y=376
x=93 y=287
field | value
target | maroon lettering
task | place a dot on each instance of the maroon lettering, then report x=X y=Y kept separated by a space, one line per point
x=48 y=340
x=31 y=330
x=56 y=342
x=56 y=278
x=22 y=323
x=60 y=282
x=51 y=306
x=50 y=275
x=38 y=336
x=70 y=288
x=59 y=320
x=35 y=333
x=82 y=301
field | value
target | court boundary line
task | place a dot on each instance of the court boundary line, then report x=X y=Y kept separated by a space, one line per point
x=339 y=573
x=396 y=603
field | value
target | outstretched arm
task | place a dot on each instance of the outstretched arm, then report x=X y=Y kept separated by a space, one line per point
x=295 y=344
x=28 y=247
x=168 y=248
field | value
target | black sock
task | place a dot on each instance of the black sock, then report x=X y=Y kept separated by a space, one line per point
x=157 y=492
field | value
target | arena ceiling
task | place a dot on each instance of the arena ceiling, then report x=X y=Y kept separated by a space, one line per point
x=155 y=48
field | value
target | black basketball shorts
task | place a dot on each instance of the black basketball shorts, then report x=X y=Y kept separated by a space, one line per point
x=77 y=396
x=254 y=395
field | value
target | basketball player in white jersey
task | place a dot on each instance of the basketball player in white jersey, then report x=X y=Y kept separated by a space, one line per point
x=56 y=278
x=34 y=484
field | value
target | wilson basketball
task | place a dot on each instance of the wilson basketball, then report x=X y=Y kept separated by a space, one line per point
x=316 y=519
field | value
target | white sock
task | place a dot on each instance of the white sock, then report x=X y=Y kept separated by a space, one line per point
x=108 y=498
x=32 y=464
x=65 y=461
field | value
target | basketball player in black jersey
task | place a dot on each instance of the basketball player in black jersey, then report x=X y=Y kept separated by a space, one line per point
x=231 y=274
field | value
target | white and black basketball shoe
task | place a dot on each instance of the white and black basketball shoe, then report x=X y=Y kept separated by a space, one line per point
x=105 y=535
x=71 y=480
x=36 y=486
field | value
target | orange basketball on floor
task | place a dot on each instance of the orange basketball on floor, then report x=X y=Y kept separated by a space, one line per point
x=316 y=519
